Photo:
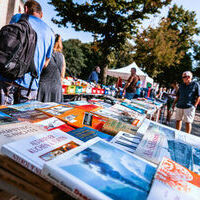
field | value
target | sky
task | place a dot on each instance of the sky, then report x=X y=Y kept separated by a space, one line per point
x=70 y=33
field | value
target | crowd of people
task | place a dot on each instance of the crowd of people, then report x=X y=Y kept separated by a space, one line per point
x=50 y=66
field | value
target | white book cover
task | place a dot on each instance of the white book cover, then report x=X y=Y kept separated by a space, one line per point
x=174 y=182
x=50 y=123
x=100 y=170
x=16 y=131
x=32 y=152
x=126 y=141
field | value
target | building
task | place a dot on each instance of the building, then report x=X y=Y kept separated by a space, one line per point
x=8 y=8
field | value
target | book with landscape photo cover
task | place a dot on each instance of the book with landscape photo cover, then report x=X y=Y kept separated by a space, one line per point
x=32 y=105
x=54 y=123
x=85 y=133
x=16 y=131
x=91 y=171
x=7 y=119
x=112 y=127
x=174 y=182
x=160 y=141
x=79 y=118
x=37 y=149
x=126 y=141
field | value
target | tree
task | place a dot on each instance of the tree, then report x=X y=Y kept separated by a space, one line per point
x=112 y=21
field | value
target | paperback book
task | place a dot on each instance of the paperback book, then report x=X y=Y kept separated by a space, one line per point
x=139 y=110
x=85 y=133
x=16 y=131
x=92 y=172
x=127 y=141
x=112 y=127
x=37 y=149
x=6 y=119
x=174 y=182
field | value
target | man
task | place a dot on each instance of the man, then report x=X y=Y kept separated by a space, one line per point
x=187 y=99
x=94 y=77
x=44 y=47
x=130 y=87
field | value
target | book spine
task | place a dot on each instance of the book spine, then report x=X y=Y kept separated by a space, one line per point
x=30 y=166
x=71 y=187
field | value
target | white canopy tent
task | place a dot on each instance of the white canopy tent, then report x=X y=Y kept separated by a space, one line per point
x=125 y=73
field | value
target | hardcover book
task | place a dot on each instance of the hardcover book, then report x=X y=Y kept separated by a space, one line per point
x=92 y=172
x=112 y=127
x=16 y=131
x=174 y=182
x=127 y=141
x=85 y=133
x=37 y=149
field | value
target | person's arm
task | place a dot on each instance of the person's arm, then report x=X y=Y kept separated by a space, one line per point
x=63 y=69
x=198 y=96
x=128 y=83
x=197 y=102
x=46 y=62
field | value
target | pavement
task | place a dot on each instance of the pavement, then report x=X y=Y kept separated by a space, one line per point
x=195 y=125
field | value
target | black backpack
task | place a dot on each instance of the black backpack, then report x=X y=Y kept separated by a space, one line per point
x=17 y=48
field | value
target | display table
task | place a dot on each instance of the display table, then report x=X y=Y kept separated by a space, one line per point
x=21 y=182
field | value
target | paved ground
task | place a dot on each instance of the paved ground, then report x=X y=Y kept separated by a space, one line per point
x=195 y=125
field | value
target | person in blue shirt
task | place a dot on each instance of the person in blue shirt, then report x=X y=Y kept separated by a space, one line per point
x=187 y=100
x=94 y=77
x=17 y=91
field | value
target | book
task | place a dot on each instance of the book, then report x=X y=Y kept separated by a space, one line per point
x=6 y=119
x=174 y=182
x=31 y=105
x=85 y=133
x=92 y=172
x=37 y=149
x=112 y=127
x=139 y=110
x=16 y=131
x=55 y=110
x=126 y=141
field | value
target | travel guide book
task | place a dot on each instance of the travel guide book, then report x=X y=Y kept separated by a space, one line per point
x=55 y=110
x=99 y=170
x=16 y=131
x=79 y=118
x=31 y=105
x=174 y=182
x=35 y=150
x=112 y=127
x=85 y=133
x=126 y=141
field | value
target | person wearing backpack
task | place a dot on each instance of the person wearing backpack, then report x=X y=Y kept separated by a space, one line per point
x=50 y=85
x=25 y=88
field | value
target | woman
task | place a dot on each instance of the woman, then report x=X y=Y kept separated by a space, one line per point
x=50 y=85
x=138 y=88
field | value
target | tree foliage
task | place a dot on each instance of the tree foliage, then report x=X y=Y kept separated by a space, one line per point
x=113 y=21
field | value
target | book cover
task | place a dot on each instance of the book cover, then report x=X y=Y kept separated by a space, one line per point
x=112 y=127
x=6 y=119
x=37 y=149
x=32 y=116
x=84 y=105
x=55 y=110
x=31 y=105
x=92 y=172
x=139 y=110
x=85 y=133
x=54 y=123
x=16 y=131
x=174 y=182
x=126 y=141
x=10 y=111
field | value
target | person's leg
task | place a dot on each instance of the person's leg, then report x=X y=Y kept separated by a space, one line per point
x=129 y=95
x=179 y=117
x=178 y=124
x=189 y=115
x=188 y=127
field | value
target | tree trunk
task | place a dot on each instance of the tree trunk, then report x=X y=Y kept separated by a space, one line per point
x=104 y=74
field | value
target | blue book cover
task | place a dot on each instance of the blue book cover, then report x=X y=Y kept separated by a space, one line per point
x=142 y=111
x=85 y=133
x=96 y=169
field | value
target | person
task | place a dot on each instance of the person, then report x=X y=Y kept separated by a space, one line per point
x=16 y=91
x=170 y=100
x=138 y=89
x=50 y=85
x=130 y=87
x=187 y=99
x=94 y=76
x=118 y=86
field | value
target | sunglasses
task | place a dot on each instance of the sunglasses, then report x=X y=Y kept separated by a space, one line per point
x=185 y=76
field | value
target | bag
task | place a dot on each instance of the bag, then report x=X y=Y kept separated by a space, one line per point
x=17 y=48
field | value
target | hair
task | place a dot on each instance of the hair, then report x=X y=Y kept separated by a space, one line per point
x=134 y=69
x=33 y=6
x=58 y=43
x=188 y=73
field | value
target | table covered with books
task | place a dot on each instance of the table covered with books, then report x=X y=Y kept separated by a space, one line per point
x=99 y=149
